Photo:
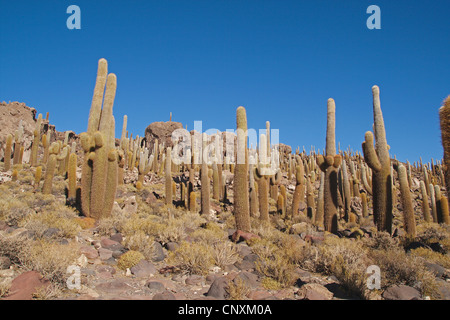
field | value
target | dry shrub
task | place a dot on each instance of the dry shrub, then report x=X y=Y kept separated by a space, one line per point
x=397 y=267
x=193 y=258
x=63 y=219
x=129 y=259
x=381 y=241
x=237 y=289
x=141 y=242
x=347 y=260
x=274 y=263
x=12 y=210
x=432 y=256
x=224 y=253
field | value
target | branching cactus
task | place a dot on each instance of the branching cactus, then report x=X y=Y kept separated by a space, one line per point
x=241 y=183
x=99 y=170
x=329 y=165
x=378 y=159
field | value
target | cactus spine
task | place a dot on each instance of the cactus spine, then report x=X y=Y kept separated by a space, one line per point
x=379 y=161
x=99 y=170
x=241 y=183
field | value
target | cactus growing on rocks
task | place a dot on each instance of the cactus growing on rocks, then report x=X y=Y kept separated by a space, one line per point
x=329 y=165
x=99 y=170
x=378 y=159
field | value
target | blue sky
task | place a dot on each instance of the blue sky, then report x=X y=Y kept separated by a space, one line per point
x=202 y=59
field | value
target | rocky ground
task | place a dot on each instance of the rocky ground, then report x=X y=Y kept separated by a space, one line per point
x=189 y=256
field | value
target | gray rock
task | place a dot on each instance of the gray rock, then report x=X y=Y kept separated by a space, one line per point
x=155 y=286
x=104 y=254
x=438 y=270
x=401 y=292
x=158 y=252
x=443 y=287
x=194 y=280
x=143 y=269
x=117 y=237
x=172 y=246
x=250 y=279
x=51 y=233
x=314 y=291
x=218 y=288
x=166 y=295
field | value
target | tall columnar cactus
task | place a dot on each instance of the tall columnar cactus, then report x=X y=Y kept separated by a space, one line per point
x=329 y=165
x=46 y=144
x=346 y=190
x=99 y=170
x=310 y=202
x=144 y=164
x=37 y=177
x=241 y=183
x=379 y=161
x=408 y=210
x=320 y=206
x=433 y=202
x=7 y=156
x=205 y=190
x=425 y=205
x=72 y=176
x=444 y=118
x=168 y=177
x=36 y=141
x=18 y=144
x=262 y=177
x=50 y=168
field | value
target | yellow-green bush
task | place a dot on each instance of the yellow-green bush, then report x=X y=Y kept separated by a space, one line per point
x=129 y=259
